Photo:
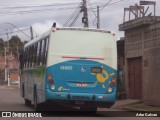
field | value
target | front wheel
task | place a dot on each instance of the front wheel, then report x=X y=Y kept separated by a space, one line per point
x=27 y=102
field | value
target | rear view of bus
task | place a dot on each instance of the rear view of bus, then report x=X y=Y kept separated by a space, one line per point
x=82 y=68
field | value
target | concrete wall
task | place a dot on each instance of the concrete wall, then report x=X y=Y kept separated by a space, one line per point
x=142 y=39
x=151 y=76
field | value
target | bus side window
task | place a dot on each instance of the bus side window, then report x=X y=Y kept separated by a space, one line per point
x=35 y=53
x=31 y=55
x=39 y=61
x=42 y=52
x=38 y=53
x=46 y=51
x=24 y=58
x=27 y=57
x=33 y=58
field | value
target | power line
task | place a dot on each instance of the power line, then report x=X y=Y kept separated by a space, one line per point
x=72 y=15
x=75 y=19
x=59 y=7
x=109 y=3
x=36 y=6
x=14 y=31
x=34 y=11
x=92 y=10
x=102 y=7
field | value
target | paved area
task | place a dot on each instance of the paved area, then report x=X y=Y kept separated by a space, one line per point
x=10 y=100
x=120 y=105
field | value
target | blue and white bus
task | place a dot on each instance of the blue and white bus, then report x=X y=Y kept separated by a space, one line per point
x=73 y=66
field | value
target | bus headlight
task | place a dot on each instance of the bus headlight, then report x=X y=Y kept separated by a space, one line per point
x=109 y=89
x=52 y=87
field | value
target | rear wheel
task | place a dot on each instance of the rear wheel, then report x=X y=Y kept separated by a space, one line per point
x=27 y=102
x=23 y=90
x=36 y=105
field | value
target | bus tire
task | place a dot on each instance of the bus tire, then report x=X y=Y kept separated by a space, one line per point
x=91 y=110
x=27 y=102
x=36 y=105
x=23 y=90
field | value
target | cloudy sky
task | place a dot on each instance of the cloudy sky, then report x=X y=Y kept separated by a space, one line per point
x=40 y=14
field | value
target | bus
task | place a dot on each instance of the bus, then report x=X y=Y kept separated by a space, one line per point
x=73 y=66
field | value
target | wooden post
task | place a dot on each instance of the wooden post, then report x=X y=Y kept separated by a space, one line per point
x=98 y=18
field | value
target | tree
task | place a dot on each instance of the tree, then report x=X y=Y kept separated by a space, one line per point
x=1 y=46
x=13 y=43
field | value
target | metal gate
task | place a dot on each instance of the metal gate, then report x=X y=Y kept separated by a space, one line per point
x=135 y=77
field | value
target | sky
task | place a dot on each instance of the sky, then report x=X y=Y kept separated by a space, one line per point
x=41 y=14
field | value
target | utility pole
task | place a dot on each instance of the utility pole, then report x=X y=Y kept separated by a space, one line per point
x=7 y=74
x=5 y=50
x=7 y=39
x=31 y=30
x=18 y=65
x=98 y=18
x=85 y=14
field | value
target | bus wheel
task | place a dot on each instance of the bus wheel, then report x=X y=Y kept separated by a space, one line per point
x=92 y=110
x=23 y=90
x=36 y=105
x=27 y=102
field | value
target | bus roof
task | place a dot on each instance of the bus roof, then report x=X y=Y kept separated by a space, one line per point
x=64 y=28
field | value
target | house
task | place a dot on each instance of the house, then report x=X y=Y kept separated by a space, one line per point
x=142 y=56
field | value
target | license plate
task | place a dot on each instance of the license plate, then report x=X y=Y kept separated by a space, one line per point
x=82 y=84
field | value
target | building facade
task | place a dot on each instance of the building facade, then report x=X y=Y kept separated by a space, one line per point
x=142 y=58
x=11 y=66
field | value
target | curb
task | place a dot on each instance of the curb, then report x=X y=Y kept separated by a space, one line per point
x=11 y=87
x=130 y=108
x=123 y=106
x=133 y=109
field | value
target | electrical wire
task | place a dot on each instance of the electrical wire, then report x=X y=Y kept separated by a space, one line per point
x=62 y=6
x=75 y=19
x=14 y=31
x=72 y=15
x=35 y=11
x=35 y=6
x=102 y=7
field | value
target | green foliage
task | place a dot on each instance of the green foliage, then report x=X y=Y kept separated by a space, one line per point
x=14 y=42
x=1 y=46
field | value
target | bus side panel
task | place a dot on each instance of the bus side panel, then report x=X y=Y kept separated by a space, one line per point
x=39 y=83
x=27 y=84
x=33 y=80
